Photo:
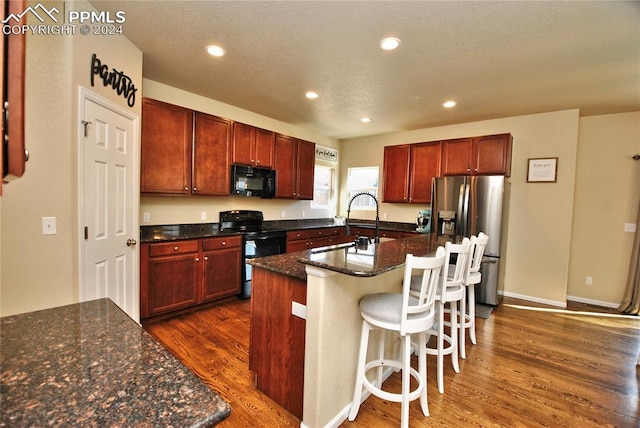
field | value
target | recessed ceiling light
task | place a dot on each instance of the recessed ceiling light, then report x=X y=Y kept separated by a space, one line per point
x=311 y=95
x=449 y=104
x=365 y=120
x=214 y=50
x=389 y=43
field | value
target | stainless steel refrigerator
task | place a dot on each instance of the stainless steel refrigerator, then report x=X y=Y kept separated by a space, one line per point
x=462 y=206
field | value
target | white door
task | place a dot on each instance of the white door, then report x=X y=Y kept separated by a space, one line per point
x=109 y=210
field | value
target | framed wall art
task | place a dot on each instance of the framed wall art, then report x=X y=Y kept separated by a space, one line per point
x=542 y=170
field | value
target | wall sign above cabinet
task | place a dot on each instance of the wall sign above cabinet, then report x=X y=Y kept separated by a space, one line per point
x=120 y=82
x=326 y=153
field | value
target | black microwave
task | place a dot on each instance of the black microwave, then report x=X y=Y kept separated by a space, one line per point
x=251 y=181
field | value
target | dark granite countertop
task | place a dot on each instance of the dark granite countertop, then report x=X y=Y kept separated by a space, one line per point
x=346 y=258
x=89 y=364
x=173 y=232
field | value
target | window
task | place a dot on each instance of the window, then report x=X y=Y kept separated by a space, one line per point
x=322 y=187
x=363 y=179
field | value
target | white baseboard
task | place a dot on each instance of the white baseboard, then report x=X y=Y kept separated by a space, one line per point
x=593 y=302
x=535 y=299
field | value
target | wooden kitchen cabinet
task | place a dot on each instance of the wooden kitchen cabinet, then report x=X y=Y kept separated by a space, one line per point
x=485 y=155
x=184 y=152
x=211 y=155
x=294 y=165
x=306 y=239
x=166 y=148
x=408 y=172
x=169 y=277
x=252 y=146
x=222 y=267
x=182 y=274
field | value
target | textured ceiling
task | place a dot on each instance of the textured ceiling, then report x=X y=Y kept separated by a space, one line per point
x=496 y=59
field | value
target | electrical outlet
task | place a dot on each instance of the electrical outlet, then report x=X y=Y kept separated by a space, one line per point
x=203 y=215
x=630 y=227
x=303 y=213
x=283 y=214
x=588 y=280
x=48 y=225
x=146 y=217
x=384 y=216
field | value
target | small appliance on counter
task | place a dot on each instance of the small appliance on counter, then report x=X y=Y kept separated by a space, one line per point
x=423 y=221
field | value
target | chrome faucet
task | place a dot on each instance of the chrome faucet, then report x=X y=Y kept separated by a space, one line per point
x=377 y=237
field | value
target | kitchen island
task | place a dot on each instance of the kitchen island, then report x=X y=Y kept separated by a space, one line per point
x=89 y=364
x=306 y=323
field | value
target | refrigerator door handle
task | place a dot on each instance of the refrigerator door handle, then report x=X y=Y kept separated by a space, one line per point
x=464 y=230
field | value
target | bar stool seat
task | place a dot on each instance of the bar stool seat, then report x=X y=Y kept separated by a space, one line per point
x=405 y=315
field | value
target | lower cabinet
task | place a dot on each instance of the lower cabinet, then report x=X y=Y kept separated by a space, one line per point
x=181 y=274
x=306 y=239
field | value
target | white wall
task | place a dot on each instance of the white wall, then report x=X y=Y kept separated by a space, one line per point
x=39 y=271
x=607 y=195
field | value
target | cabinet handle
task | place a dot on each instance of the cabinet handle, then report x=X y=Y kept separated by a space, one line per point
x=194 y=189
x=224 y=243
x=206 y=258
x=197 y=259
x=186 y=189
x=175 y=248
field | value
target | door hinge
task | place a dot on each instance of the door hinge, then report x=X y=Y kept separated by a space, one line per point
x=86 y=233
x=86 y=129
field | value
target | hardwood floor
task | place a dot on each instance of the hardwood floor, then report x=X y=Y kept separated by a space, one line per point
x=532 y=367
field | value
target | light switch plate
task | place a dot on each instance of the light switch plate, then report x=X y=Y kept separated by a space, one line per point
x=146 y=217
x=48 y=225
x=630 y=227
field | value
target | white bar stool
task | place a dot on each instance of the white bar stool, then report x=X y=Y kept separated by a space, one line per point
x=450 y=291
x=473 y=277
x=407 y=315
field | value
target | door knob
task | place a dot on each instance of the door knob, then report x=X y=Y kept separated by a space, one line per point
x=131 y=242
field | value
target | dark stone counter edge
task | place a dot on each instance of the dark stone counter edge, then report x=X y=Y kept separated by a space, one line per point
x=175 y=232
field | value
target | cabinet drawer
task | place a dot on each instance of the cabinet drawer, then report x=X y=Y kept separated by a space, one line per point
x=217 y=243
x=294 y=235
x=323 y=232
x=168 y=248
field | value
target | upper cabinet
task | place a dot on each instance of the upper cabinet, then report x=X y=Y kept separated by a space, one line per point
x=252 y=146
x=294 y=165
x=166 y=148
x=172 y=137
x=211 y=155
x=486 y=155
x=408 y=171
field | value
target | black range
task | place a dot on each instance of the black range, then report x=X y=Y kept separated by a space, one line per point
x=258 y=241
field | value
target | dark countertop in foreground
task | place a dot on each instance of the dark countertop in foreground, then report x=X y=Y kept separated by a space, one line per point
x=89 y=364
x=347 y=259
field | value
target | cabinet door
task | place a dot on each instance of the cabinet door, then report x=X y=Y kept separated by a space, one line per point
x=243 y=144
x=425 y=165
x=211 y=156
x=264 y=148
x=493 y=154
x=172 y=283
x=285 y=166
x=221 y=275
x=395 y=173
x=166 y=148
x=456 y=156
x=305 y=165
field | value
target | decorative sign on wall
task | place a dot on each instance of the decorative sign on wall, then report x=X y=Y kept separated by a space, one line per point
x=120 y=82
x=542 y=170
x=326 y=153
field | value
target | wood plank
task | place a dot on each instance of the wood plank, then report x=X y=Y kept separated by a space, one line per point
x=530 y=368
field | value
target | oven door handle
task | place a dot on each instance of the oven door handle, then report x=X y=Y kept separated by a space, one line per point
x=261 y=238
